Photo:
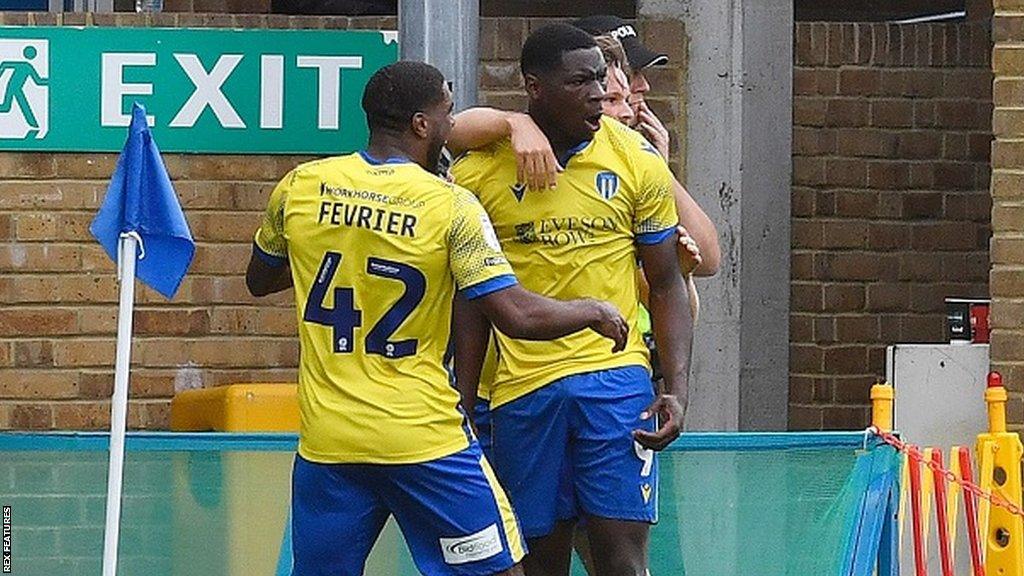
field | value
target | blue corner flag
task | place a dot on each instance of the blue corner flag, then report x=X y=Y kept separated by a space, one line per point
x=140 y=199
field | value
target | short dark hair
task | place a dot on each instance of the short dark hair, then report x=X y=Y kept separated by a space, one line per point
x=543 y=50
x=396 y=92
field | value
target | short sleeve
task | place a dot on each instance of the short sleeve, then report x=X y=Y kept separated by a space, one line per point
x=655 y=217
x=270 y=243
x=477 y=262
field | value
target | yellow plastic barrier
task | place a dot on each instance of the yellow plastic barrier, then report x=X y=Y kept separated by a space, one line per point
x=237 y=408
x=1004 y=533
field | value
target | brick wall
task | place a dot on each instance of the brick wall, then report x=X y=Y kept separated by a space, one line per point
x=1007 y=275
x=58 y=296
x=890 y=208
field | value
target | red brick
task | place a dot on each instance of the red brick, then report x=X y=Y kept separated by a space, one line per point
x=801 y=266
x=892 y=113
x=887 y=236
x=805 y=359
x=919 y=144
x=33 y=353
x=888 y=297
x=866 y=143
x=844 y=297
x=31 y=416
x=854 y=389
x=824 y=330
x=808 y=171
x=836 y=418
x=172 y=322
x=805 y=418
x=809 y=112
x=806 y=234
x=887 y=175
x=856 y=203
x=846 y=172
x=37 y=321
x=805 y=297
x=921 y=266
x=845 y=234
x=923 y=329
x=851 y=329
x=954 y=176
x=922 y=205
x=845 y=359
x=859 y=81
x=847 y=112
x=40 y=384
x=801 y=328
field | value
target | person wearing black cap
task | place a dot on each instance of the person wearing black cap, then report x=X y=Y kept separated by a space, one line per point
x=640 y=58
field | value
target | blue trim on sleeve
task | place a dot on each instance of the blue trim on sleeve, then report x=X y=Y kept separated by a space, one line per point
x=650 y=238
x=272 y=260
x=489 y=286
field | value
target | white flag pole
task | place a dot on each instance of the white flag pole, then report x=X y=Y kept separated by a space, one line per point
x=126 y=253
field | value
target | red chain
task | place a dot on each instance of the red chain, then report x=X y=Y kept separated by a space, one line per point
x=915 y=453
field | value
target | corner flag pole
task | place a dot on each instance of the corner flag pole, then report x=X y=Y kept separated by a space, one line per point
x=127 y=246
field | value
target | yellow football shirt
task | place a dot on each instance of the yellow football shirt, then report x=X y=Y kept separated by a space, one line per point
x=577 y=240
x=377 y=249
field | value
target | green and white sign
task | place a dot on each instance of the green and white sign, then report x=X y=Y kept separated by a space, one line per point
x=205 y=90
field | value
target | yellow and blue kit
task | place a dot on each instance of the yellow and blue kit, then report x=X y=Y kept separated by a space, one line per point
x=376 y=250
x=578 y=240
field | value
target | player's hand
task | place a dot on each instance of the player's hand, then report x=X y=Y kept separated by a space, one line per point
x=689 y=252
x=652 y=129
x=609 y=323
x=670 y=414
x=536 y=165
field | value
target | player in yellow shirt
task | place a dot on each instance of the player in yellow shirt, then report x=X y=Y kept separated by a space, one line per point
x=375 y=247
x=573 y=425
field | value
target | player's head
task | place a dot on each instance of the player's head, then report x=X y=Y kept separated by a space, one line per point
x=564 y=74
x=616 y=94
x=410 y=102
x=640 y=57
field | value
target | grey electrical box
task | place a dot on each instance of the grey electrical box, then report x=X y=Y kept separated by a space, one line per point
x=940 y=402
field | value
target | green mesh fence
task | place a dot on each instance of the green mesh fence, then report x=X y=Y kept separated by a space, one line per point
x=730 y=504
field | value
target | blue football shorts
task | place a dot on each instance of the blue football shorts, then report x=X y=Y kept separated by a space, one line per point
x=568 y=448
x=455 y=517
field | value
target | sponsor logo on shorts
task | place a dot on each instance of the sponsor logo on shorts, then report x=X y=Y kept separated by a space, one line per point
x=478 y=546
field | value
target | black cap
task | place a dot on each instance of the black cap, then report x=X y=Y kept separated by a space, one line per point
x=639 y=56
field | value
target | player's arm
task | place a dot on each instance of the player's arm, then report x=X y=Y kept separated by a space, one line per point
x=700 y=228
x=524 y=315
x=471 y=332
x=476 y=128
x=268 y=269
x=673 y=334
x=262 y=278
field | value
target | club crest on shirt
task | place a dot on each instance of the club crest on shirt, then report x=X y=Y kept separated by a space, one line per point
x=607 y=184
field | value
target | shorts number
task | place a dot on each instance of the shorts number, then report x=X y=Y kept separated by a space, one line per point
x=344 y=318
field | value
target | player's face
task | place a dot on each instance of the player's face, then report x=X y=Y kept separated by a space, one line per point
x=616 y=97
x=571 y=95
x=440 y=125
x=638 y=89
